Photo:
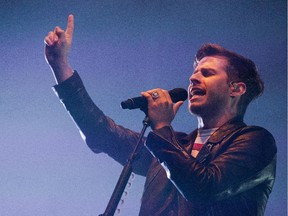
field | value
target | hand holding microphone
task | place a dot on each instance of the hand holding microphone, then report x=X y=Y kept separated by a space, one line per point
x=160 y=105
x=177 y=94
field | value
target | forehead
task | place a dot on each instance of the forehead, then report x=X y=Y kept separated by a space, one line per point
x=212 y=62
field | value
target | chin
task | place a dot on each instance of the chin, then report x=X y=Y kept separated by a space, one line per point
x=195 y=110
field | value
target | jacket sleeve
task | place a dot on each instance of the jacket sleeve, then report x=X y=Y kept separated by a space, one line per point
x=100 y=132
x=240 y=162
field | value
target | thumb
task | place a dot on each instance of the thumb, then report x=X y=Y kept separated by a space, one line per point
x=177 y=106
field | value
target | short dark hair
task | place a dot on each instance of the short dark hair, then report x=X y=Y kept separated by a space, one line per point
x=240 y=69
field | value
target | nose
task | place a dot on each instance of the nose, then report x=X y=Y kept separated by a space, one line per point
x=194 y=79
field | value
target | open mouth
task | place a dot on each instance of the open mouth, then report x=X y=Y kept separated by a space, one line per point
x=197 y=92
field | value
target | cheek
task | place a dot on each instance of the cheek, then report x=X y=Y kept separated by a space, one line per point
x=218 y=86
x=218 y=92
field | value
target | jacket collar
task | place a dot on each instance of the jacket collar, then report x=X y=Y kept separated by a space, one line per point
x=226 y=129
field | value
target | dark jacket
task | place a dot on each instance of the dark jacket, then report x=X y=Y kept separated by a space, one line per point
x=233 y=173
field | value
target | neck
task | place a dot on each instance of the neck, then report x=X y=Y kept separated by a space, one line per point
x=213 y=122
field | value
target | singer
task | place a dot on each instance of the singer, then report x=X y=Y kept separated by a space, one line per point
x=222 y=168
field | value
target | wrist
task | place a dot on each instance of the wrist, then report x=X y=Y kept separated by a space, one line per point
x=62 y=71
x=160 y=125
x=58 y=63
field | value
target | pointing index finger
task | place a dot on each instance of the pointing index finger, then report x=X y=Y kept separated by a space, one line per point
x=70 y=25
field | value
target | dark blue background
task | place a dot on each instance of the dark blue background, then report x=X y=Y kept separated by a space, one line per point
x=120 y=49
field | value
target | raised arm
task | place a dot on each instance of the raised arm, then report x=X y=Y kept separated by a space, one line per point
x=57 y=46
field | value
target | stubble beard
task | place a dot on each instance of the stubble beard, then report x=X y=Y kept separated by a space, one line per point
x=208 y=109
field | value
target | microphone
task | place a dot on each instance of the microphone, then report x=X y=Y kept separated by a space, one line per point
x=177 y=94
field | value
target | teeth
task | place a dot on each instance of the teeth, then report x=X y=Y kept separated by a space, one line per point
x=196 y=92
x=191 y=93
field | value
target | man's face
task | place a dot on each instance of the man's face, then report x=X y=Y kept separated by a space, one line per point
x=209 y=90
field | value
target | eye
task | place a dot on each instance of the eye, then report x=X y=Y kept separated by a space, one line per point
x=207 y=72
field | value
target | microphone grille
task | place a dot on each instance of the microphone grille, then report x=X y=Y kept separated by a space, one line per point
x=178 y=94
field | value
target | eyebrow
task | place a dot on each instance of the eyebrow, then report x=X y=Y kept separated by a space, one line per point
x=205 y=69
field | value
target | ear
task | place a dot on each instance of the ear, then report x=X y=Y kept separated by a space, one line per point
x=237 y=89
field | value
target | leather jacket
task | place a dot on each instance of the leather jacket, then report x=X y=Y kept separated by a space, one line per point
x=233 y=173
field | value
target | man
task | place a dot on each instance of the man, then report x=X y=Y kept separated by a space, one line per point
x=222 y=168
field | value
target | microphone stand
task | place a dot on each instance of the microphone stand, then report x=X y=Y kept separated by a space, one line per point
x=124 y=176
